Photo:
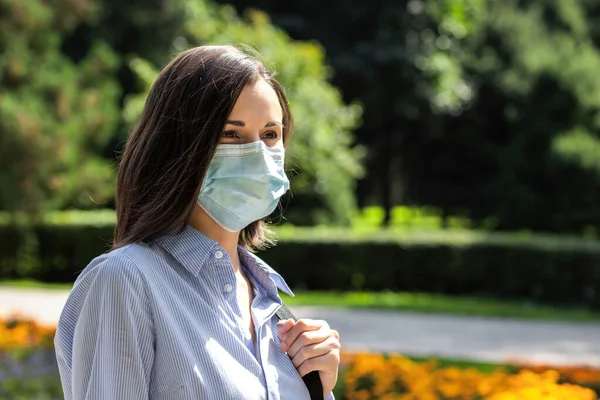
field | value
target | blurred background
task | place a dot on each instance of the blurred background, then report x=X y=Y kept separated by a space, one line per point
x=445 y=166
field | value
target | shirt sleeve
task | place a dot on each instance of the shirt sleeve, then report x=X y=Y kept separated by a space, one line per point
x=113 y=338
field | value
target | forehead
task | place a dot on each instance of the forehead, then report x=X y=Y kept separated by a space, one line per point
x=257 y=100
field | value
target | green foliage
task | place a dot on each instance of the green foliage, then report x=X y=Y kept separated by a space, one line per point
x=524 y=151
x=55 y=114
x=552 y=54
x=63 y=81
x=425 y=218
x=146 y=28
x=322 y=158
x=485 y=106
x=581 y=147
x=489 y=107
x=402 y=60
x=439 y=56
x=543 y=268
x=543 y=74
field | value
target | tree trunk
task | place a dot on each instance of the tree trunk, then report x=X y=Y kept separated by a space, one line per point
x=386 y=179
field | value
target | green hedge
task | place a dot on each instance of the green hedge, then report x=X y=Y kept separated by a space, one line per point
x=540 y=267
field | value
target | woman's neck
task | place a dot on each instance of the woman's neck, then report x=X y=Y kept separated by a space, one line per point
x=204 y=224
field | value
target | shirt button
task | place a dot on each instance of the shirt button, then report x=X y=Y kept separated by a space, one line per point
x=218 y=254
x=228 y=287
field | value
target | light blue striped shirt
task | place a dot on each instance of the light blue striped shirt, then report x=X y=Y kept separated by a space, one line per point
x=161 y=321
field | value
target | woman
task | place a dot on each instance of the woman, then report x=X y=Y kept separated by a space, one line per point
x=180 y=308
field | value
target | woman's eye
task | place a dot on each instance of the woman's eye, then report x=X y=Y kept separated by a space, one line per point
x=230 y=134
x=270 y=135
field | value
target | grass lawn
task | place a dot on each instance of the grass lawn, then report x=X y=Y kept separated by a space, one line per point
x=30 y=284
x=416 y=302
x=486 y=368
x=434 y=303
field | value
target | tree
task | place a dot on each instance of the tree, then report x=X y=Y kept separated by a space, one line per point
x=144 y=28
x=519 y=145
x=67 y=69
x=525 y=152
x=55 y=113
x=549 y=90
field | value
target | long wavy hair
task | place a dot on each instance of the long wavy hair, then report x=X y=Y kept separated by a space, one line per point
x=167 y=154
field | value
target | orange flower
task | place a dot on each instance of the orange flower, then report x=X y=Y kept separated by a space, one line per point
x=373 y=376
x=581 y=375
x=16 y=333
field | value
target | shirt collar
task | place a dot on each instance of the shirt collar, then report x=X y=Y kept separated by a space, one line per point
x=192 y=249
x=189 y=247
x=253 y=262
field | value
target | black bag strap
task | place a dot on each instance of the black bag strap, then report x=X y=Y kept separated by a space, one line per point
x=312 y=379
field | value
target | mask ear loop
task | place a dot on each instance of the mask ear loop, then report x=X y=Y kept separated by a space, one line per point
x=282 y=207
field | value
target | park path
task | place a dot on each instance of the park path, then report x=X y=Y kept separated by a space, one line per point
x=474 y=338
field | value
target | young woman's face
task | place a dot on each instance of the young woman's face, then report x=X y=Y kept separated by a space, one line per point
x=256 y=115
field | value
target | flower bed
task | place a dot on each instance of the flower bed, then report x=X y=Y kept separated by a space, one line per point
x=583 y=376
x=28 y=370
x=373 y=376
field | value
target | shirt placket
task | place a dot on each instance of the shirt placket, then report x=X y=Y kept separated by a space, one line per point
x=263 y=309
x=227 y=283
x=227 y=286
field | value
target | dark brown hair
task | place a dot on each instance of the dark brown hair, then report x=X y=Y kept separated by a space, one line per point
x=167 y=154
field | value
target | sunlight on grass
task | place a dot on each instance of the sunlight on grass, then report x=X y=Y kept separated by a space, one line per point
x=484 y=367
x=433 y=303
x=31 y=284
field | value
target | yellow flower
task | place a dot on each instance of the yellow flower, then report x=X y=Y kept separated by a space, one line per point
x=18 y=332
x=373 y=376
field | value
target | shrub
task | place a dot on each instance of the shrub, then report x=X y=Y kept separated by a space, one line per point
x=56 y=114
x=538 y=267
x=412 y=217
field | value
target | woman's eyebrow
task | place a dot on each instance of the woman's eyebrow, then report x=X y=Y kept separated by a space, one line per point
x=273 y=123
x=242 y=123
x=236 y=123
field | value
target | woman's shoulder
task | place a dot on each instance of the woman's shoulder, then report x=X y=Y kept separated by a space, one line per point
x=123 y=269
x=116 y=263
x=109 y=285
x=107 y=278
x=126 y=261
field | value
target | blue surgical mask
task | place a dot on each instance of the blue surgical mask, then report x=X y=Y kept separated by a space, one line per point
x=243 y=184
